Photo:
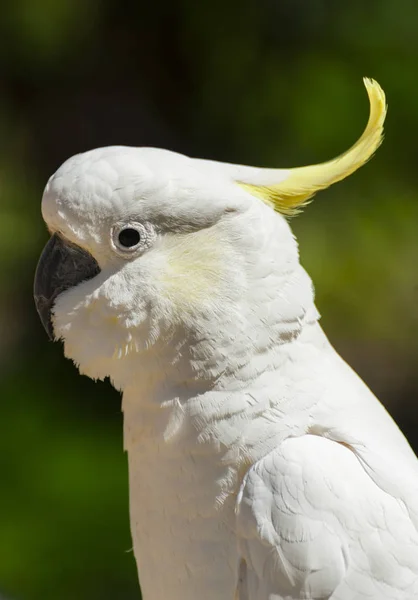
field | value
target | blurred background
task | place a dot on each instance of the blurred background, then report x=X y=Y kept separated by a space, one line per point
x=269 y=82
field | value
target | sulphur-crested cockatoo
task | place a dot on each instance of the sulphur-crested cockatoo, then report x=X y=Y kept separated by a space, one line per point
x=260 y=466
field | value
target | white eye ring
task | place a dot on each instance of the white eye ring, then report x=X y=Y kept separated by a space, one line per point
x=131 y=238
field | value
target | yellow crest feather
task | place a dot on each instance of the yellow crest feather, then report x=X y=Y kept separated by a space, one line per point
x=297 y=186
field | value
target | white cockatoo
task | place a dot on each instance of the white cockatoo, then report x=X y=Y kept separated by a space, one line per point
x=260 y=466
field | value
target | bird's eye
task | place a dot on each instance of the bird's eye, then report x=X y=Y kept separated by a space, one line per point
x=129 y=237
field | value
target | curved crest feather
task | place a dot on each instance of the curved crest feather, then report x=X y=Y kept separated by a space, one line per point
x=288 y=190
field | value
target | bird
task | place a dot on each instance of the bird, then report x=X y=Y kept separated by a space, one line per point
x=261 y=467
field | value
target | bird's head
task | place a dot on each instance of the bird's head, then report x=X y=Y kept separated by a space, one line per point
x=150 y=249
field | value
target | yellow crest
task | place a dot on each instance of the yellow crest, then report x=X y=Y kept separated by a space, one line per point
x=287 y=190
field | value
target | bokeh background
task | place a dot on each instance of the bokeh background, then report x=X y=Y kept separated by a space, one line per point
x=269 y=82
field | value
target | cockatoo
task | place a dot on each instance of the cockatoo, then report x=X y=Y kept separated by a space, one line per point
x=261 y=467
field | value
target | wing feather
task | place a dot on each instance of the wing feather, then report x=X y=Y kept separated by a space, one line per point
x=312 y=524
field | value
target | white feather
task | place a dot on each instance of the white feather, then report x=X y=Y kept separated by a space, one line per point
x=260 y=466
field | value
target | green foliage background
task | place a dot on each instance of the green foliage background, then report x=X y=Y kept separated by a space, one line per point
x=273 y=83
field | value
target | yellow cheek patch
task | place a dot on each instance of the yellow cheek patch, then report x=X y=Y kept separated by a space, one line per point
x=193 y=268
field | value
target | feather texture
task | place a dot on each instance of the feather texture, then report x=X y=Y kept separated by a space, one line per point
x=293 y=191
x=260 y=466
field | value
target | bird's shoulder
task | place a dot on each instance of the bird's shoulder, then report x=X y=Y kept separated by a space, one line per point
x=312 y=522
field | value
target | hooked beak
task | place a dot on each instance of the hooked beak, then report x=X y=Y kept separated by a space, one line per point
x=62 y=265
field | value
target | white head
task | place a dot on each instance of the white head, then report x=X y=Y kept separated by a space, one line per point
x=186 y=257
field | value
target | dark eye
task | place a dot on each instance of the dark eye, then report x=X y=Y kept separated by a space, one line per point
x=129 y=237
x=129 y=240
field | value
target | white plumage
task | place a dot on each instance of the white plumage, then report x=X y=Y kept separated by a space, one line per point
x=260 y=466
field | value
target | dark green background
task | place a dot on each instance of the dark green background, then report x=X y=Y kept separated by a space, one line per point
x=271 y=82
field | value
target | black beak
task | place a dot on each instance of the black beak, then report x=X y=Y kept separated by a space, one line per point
x=62 y=265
